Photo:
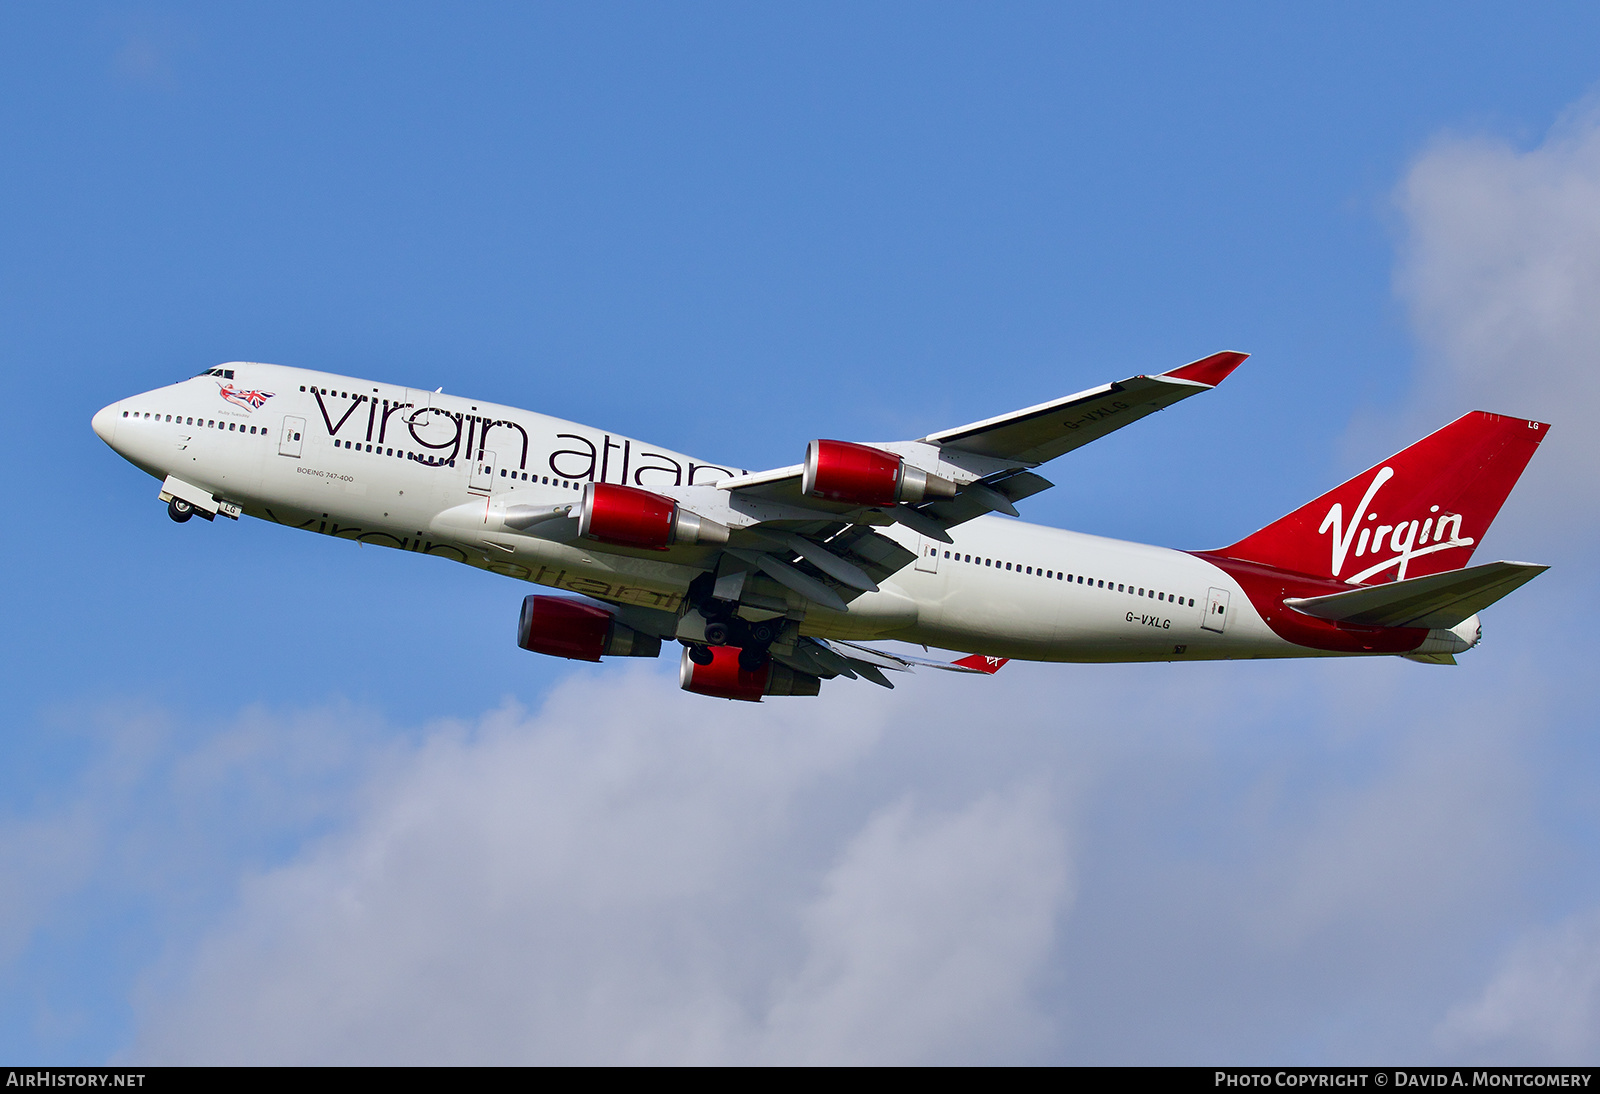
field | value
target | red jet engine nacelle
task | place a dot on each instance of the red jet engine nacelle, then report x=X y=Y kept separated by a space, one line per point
x=724 y=679
x=862 y=475
x=629 y=517
x=562 y=627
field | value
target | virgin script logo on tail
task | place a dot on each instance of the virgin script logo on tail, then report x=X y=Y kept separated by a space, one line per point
x=1407 y=539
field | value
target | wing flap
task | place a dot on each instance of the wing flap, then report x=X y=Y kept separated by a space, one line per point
x=970 y=503
x=1437 y=602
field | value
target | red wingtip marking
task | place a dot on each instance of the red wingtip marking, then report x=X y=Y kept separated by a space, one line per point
x=986 y=665
x=1210 y=371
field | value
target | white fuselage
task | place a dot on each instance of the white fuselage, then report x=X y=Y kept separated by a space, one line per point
x=395 y=467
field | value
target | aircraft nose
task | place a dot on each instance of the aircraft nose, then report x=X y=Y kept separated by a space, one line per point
x=105 y=423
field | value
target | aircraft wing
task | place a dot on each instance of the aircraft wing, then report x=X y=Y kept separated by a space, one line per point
x=1038 y=433
x=785 y=526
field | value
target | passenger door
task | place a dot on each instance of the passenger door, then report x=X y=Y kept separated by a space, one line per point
x=482 y=480
x=1216 y=617
x=289 y=442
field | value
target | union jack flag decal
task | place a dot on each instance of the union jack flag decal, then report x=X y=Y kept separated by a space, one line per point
x=250 y=400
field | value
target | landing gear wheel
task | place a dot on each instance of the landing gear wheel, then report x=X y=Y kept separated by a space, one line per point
x=753 y=660
x=717 y=633
x=179 y=510
x=701 y=655
x=763 y=632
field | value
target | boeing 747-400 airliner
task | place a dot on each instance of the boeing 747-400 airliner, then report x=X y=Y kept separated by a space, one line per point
x=772 y=580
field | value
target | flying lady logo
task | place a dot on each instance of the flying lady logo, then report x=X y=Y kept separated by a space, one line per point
x=1408 y=539
x=250 y=400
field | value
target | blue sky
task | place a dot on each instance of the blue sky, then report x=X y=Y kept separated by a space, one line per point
x=732 y=229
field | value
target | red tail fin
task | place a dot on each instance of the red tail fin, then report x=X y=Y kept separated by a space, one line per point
x=1419 y=512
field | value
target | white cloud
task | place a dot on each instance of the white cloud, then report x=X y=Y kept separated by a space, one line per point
x=635 y=876
x=1155 y=870
x=926 y=937
x=1543 y=1003
x=1501 y=271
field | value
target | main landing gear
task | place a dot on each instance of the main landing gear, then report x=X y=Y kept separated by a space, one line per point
x=179 y=510
x=725 y=628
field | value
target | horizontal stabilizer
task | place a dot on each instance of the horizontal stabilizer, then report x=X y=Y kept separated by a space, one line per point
x=1437 y=602
x=988 y=666
x=981 y=663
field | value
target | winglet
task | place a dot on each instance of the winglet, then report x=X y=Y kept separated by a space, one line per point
x=980 y=663
x=1209 y=371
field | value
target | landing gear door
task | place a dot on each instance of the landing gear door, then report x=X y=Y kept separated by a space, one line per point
x=289 y=442
x=1216 y=617
x=482 y=480
x=928 y=560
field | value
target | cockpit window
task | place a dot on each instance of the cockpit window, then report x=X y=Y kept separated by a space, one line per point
x=225 y=373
